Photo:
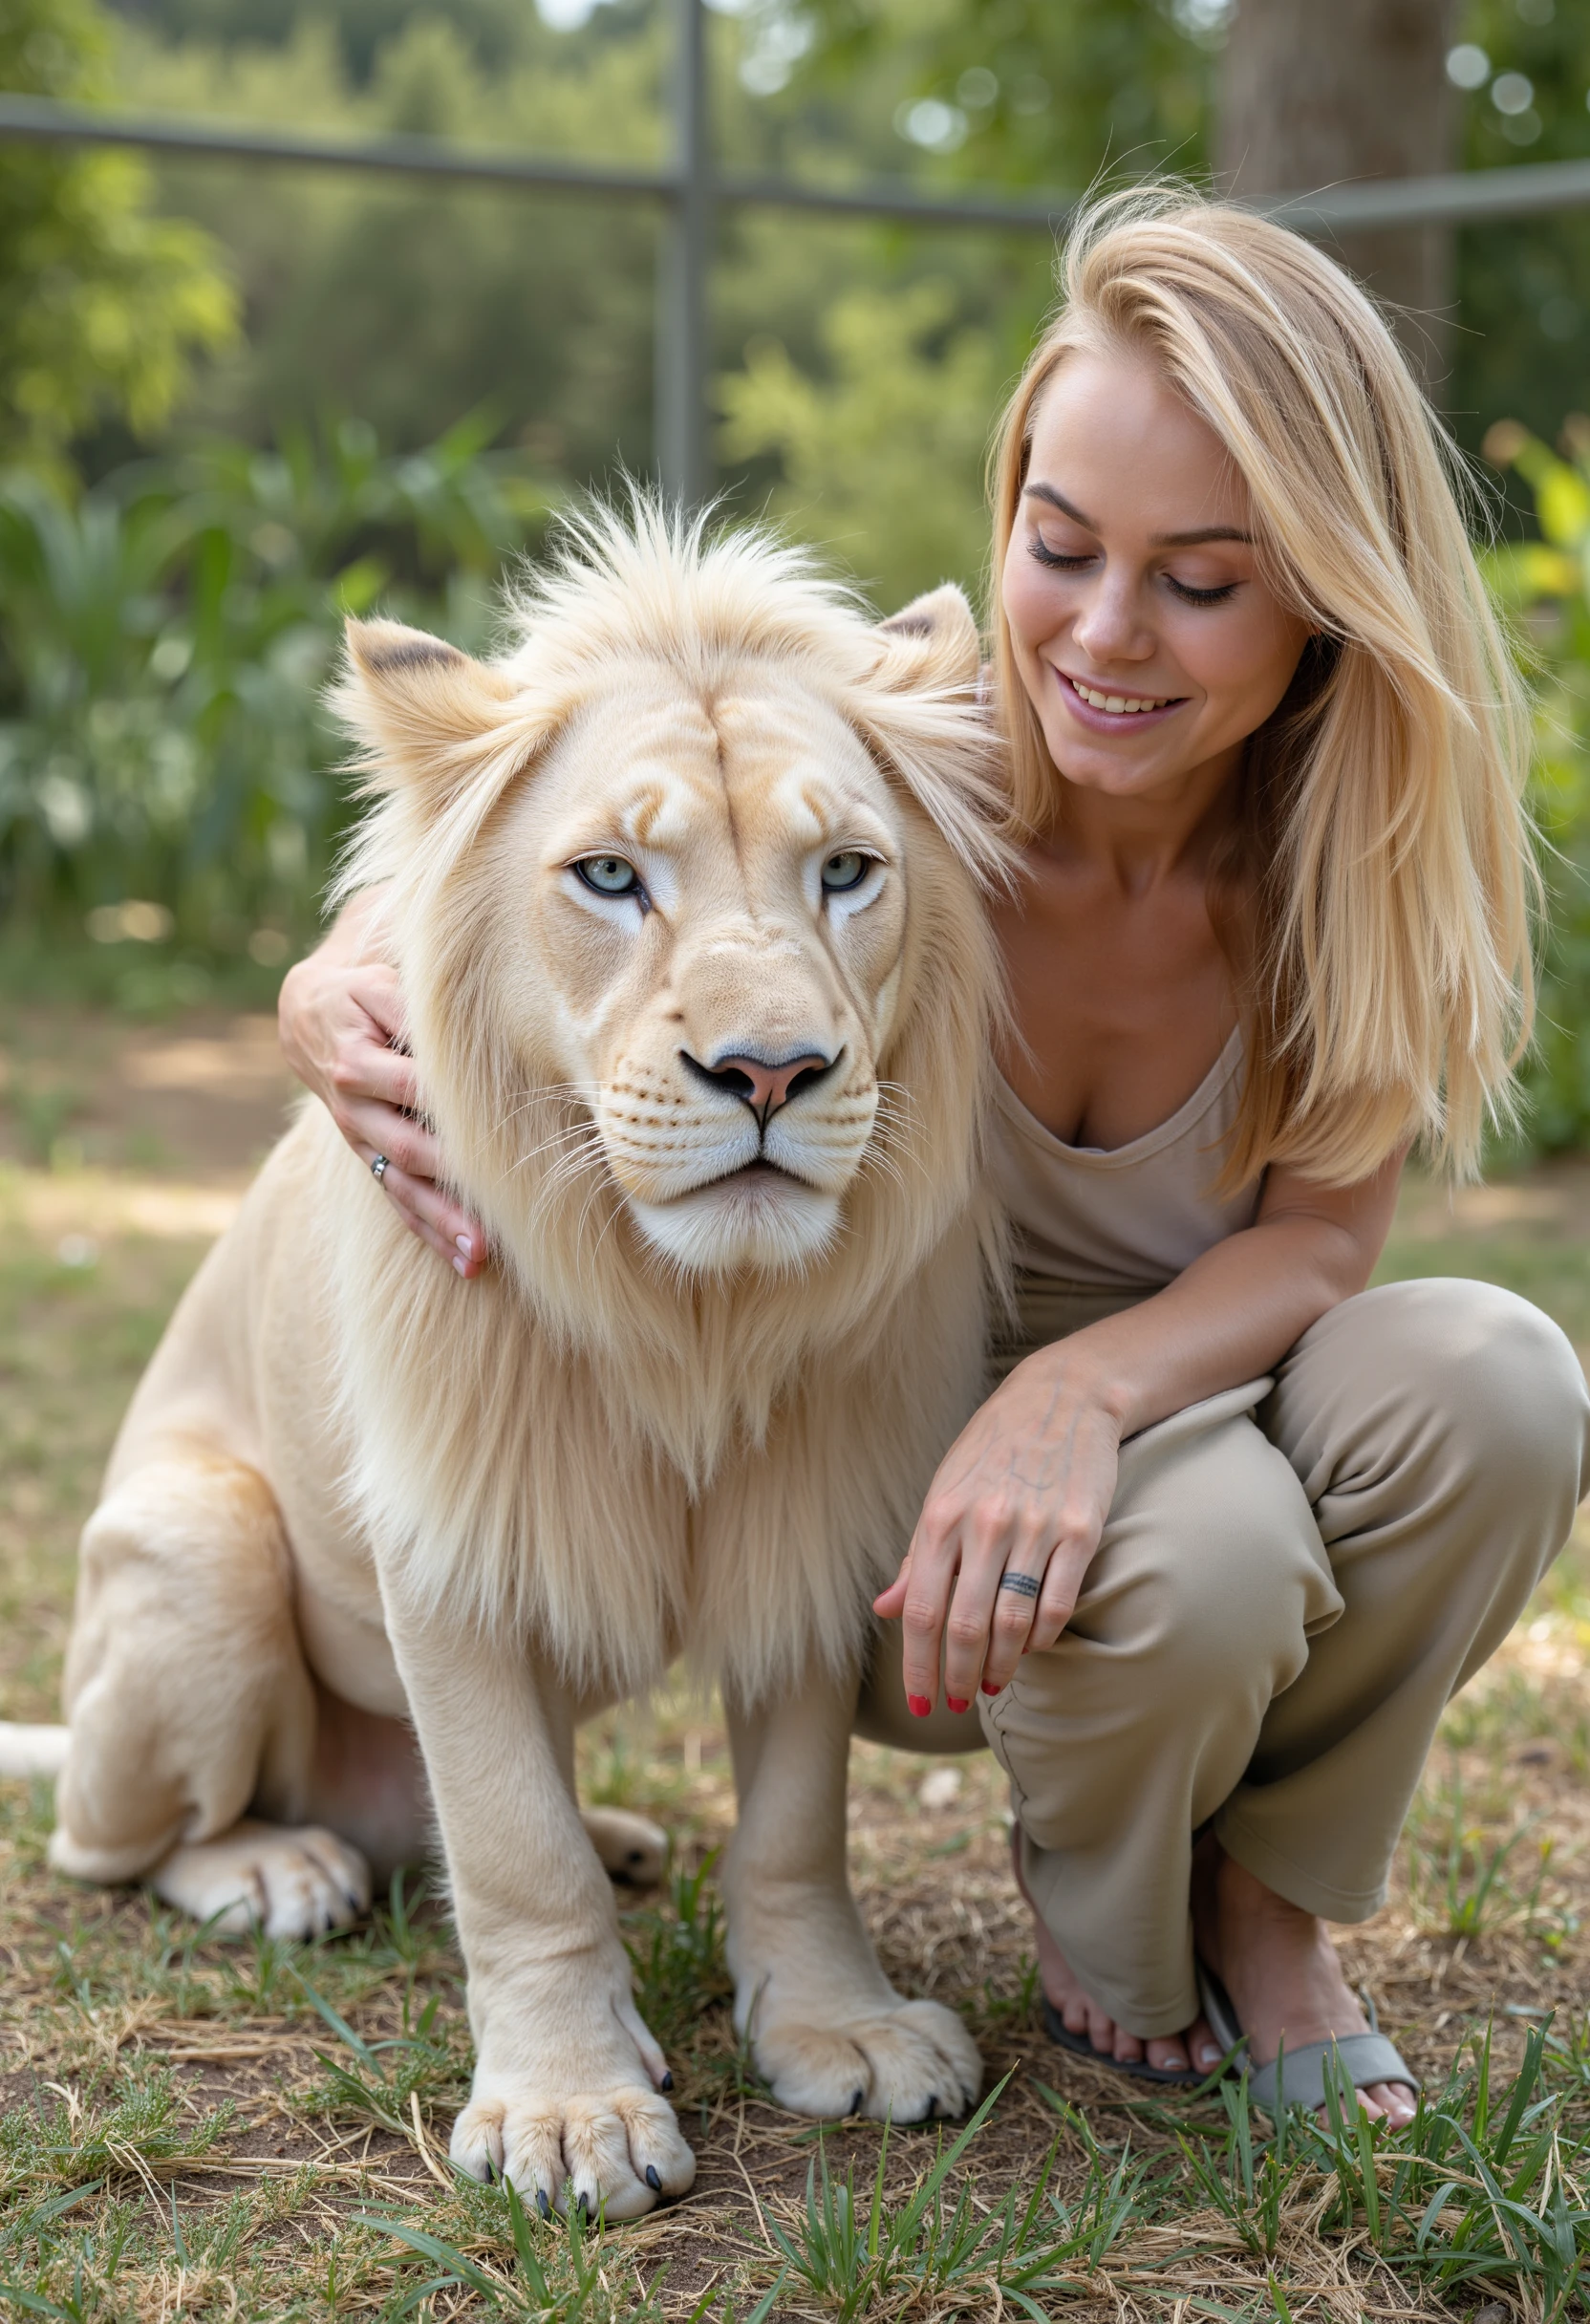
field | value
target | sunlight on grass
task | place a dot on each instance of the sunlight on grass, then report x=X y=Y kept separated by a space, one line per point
x=255 y=2129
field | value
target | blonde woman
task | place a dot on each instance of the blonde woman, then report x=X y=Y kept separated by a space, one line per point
x=1232 y=1529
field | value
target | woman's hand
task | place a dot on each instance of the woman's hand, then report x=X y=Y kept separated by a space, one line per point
x=344 y=1032
x=1024 y=1491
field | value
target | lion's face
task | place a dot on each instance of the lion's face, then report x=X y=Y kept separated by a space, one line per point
x=716 y=902
x=684 y=895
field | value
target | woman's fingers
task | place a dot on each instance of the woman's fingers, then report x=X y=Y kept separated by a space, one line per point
x=1057 y=1599
x=889 y=1605
x=925 y=1606
x=385 y=1130
x=427 y=1212
x=1010 y=1630
x=366 y=1071
x=378 y=992
x=991 y=1609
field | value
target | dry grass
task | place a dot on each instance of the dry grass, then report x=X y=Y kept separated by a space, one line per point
x=201 y=2129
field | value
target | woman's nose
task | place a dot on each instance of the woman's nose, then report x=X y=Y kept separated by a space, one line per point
x=1110 y=626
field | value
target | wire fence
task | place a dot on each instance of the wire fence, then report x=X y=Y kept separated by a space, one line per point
x=688 y=188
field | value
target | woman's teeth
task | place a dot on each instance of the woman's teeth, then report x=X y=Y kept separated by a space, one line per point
x=1119 y=701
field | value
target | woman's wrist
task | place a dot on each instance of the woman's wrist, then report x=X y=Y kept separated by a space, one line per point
x=1080 y=1374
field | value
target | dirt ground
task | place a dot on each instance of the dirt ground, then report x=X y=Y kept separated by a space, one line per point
x=192 y=2128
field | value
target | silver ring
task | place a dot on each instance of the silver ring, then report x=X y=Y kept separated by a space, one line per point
x=379 y=1167
x=1025 y=1586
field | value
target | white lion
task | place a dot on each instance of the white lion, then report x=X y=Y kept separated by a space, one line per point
x=684 y=893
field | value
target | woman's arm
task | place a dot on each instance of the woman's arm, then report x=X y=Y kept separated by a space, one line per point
x=344 y=1032
x=1027 y=1485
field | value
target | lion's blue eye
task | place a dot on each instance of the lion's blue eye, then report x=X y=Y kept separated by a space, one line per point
x=845 y=871
x=608 y=874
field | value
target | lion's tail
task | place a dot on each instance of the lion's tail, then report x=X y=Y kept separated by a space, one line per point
x=32 y=1750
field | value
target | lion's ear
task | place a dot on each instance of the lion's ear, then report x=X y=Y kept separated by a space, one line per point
x=932 y=642
x=419 y=706
x=919 y=711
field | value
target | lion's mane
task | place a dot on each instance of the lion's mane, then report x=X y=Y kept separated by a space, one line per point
x=574 y=1444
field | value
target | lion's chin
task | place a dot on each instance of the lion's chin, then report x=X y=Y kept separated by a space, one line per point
x=759 y=1218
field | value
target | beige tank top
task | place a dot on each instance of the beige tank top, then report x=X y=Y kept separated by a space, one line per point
x=1096 y=1230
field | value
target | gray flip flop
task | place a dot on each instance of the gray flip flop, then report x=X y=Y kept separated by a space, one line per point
x=1211 y=1996
x=1138 y=2069
x=1298 y=2078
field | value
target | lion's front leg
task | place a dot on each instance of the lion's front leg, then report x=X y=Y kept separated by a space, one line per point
x=828 y=2030
x=567 y=2075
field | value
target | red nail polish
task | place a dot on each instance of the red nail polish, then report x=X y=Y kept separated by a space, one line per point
x=989 y=1688
x=953 y=1703
x=918 y=1705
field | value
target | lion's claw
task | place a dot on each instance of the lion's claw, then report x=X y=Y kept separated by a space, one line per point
x=618 y=2151
x=915 y=2058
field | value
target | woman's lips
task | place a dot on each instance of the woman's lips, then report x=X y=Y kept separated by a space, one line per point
x=1114 y=722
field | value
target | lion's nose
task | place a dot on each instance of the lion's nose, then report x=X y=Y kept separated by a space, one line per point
x=759 y=1084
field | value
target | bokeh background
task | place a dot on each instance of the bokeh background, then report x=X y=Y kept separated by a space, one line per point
x=235 y=402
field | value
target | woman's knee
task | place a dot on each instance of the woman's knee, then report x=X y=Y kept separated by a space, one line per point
x=1485 y=1368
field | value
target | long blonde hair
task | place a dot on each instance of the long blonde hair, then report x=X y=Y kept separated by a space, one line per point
x=1385 y=982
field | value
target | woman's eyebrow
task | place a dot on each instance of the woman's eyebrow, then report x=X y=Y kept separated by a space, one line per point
x=1161 y=540
x=1205 y=532
x=1058 y=499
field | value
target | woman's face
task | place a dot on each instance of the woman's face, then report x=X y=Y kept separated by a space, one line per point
x=1143 y=632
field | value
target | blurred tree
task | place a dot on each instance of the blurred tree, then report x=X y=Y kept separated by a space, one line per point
x=883 y=462
x=102 y=305
x=411 y=304
x=492 y=29
x=165 y=638
x=1024 y=92
x=1313 y=95
x=1544 y=585
x=1522 y=69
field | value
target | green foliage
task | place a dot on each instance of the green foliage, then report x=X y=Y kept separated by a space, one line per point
x=64 y=2145
x=409 y=304
x=681 y=1970
x=1035 y=92
x=1480 y=2191
x=102 y=305
x=1524 y=286
x=883 y=460
x=164 y=639
x=1544 y=585
x=956 y=2255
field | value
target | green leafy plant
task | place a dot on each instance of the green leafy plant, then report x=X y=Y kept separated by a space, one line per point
x=1544 y=585
x=165 y=641
x=102 y=304
x=960 y=2256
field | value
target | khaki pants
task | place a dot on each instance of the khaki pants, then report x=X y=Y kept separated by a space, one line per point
x=1295 y=1578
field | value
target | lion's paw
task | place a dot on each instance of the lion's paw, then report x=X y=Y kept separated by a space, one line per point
x=909 y=2063
x=619 y=2148
x=289 y=1880
x=632 y=1849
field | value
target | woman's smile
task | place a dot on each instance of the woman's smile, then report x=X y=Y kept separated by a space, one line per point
x=1115 y=709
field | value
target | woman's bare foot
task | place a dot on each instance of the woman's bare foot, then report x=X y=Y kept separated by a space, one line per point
x=1279 y=1968
x=1172 y=2053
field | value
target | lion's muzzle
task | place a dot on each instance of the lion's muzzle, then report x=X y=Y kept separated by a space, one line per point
x=762 y=1084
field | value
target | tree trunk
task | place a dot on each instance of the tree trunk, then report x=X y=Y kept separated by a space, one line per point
x=1314 y=92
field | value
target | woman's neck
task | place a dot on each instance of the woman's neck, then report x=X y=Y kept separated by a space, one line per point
x=1138 y=841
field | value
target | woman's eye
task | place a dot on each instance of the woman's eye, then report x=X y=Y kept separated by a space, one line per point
x=847 y=869
x=1059 y=560
x=608 y=874
x=1201 y=596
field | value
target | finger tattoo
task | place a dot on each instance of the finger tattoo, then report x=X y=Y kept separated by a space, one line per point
x=1023 y=1586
